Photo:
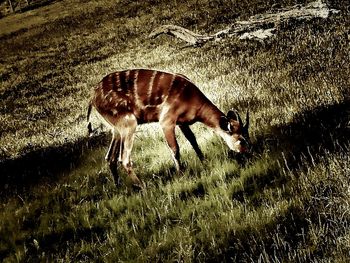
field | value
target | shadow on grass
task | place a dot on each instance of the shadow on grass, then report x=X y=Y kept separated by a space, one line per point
x=310 y=137
x=44 y=163
x=246 y=244
x=56 y=242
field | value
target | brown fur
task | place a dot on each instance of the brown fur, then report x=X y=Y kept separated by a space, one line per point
x=127 y=98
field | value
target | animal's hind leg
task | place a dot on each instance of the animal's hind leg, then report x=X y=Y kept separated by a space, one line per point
x=111 y=148
x=112 y=157
x=127 y=127
x=192 y=139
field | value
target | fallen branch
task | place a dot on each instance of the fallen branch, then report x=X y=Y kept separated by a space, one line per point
x=258 y=27
x=182 y=33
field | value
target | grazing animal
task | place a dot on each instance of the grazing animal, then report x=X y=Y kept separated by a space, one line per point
x=127 y=98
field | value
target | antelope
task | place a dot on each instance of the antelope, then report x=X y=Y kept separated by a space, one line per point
x=127 y=98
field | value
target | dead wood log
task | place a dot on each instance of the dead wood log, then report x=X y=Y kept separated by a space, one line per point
x=257 y=27
x=182 y=33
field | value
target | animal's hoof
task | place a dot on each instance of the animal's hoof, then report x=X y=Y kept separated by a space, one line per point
x=118 y=181
x=138 y=187
x=241 y=158
x=136 y=183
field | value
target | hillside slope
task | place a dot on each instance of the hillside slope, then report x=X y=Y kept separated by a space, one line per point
x=288 y=202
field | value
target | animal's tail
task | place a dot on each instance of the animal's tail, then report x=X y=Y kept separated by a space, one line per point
x=89 y=126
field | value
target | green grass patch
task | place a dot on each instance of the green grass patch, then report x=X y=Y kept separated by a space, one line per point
x=287 y=203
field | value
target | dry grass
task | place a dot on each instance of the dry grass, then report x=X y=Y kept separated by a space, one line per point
x=288 y=203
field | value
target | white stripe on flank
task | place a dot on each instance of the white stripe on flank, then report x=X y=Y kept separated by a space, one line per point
x=162 y=74
x=136 y=76
x=138 y=102
x=161 y=77
x=117 y=82
x=156 y=88
x=172 y=81
x=150 y=86
x=166 y=94
x=127 y=73
x=163 y=112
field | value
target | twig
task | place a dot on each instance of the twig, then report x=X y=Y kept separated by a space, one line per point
x=258 y=27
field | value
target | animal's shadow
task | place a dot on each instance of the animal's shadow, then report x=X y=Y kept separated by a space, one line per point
x=314 y=133
x=48 y=163
x=311 y=137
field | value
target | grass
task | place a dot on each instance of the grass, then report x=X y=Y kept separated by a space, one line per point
x=287 y=203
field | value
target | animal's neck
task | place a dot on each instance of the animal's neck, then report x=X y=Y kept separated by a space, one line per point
x=210 y=115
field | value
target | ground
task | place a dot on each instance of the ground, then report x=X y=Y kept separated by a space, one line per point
x=288 y=202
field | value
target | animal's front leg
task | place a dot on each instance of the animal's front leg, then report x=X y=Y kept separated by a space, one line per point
x=169 y=133
x=192 y=139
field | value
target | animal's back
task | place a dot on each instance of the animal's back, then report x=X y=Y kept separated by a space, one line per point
x=147 y=94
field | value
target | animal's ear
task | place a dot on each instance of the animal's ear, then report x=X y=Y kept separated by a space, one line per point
x=224 y=124
x=233 y=115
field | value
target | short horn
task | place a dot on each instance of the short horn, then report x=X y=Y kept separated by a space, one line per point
x=246 y=126
x=239 y=119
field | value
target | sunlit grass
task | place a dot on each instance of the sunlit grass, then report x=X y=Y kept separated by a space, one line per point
x=288 y=202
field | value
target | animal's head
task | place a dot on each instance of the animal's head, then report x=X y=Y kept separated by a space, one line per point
x=234 y=132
